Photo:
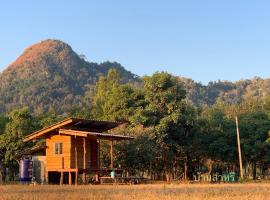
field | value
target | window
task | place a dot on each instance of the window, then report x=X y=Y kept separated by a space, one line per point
x=58 y=148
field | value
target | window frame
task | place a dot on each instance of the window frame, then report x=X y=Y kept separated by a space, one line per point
x=58 y=148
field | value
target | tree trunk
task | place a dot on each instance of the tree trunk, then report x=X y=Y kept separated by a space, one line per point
x=167 y=174
x=254 y=170
x=185 y=170
x=1 y=176
x=248 y=173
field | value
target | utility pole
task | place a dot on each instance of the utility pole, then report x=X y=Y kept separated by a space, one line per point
x=239 y=148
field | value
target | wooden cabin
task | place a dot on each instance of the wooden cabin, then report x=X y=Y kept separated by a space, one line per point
x=72 y=148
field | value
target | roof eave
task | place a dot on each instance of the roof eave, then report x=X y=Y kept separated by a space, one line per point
x=39 y=134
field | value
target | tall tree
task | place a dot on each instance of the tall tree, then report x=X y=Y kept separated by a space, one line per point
x=20 y=123
x=115 y=101
x=169 y=118
x=255 y=135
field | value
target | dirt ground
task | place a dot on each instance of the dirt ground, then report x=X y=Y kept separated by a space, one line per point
x=254 y=191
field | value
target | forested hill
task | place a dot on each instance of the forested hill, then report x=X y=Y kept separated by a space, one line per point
x=230 y=92
x=50 y=76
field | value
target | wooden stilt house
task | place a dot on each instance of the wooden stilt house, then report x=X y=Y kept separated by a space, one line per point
x=73 y=148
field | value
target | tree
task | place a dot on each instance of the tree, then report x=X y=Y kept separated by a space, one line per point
x=170 y=119
x=219 y=134
x=20 y=123
x=115 y=101
x=103 y=92
x=139 y=155
x=3 y=122
x=255 y=135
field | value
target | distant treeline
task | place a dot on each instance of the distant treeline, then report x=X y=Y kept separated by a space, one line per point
x=177 y=133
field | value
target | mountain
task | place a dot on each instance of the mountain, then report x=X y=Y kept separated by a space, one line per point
x=49 y=75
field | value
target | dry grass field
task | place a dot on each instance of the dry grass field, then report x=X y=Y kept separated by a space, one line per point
x=127 y=192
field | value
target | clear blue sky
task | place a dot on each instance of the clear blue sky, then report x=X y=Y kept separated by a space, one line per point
x=201 y=39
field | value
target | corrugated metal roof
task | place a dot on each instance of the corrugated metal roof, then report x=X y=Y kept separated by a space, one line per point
x=75 y=123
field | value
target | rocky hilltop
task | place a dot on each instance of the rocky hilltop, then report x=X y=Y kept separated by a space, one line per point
x=48 y=76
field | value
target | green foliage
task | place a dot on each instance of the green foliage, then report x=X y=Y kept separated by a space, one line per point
x=3 y=122
x=163 y=96
x=139 y=155
x=160 y=107
x=165 y=111
x=20 y=123
x=255 y=133
x=175 y=134
x=219 y=136
x=113 y=100
x=48 y=119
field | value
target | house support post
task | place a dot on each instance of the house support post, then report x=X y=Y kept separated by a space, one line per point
x=61 y=178
x=84 y=161
x=76 y=177
x=99 y=153
x=111 y=154
x=76 y=162
x=69 y=178
x=47 y=177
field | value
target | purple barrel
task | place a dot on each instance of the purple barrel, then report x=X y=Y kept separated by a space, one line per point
x=25 y=170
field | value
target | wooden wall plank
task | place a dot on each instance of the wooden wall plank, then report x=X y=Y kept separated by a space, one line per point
x=58 y=161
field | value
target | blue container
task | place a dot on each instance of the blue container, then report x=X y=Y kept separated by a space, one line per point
x=25 y=170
